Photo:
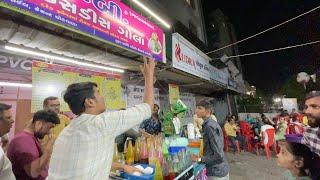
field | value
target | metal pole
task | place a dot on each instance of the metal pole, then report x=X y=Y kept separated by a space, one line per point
x=229 y=105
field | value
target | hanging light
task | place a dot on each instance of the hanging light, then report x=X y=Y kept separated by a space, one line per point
x=10 y=84
x=59 y=58
x=149 y=11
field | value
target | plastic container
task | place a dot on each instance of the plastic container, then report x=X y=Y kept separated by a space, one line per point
x=142 y=177
x=294 y=137
x=191 y=134
x=176 y=149
x=194 y=143
x=194 y=150
x=130 y=153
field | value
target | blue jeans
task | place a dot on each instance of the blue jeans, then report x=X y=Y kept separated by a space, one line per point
x=241 y=139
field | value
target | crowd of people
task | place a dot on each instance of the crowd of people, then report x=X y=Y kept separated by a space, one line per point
x=296 y=136
x=54 y=147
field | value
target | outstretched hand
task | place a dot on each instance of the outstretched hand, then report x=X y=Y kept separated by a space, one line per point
x=147 y=69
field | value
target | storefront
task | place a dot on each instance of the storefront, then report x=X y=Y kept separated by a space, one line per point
x=15 y=68
x=122 y=35
x=189 y=59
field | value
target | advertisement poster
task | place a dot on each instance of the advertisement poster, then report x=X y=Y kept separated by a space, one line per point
x=174 y=93
x=135 y=95
x=189 y=100
x=53 y=80
x=110 y=21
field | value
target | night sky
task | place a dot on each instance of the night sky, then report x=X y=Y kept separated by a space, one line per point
x=270 y=71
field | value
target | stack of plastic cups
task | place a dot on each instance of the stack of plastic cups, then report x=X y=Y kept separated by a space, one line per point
x=176 y=165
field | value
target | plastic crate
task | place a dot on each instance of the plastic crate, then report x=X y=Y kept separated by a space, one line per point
x=176 y=149
x=194 y=150
x=142 y=177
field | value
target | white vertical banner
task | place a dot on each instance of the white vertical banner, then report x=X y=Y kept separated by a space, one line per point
x=135 y=95
x=289 y=104
x=189 y=100
x=164 y=102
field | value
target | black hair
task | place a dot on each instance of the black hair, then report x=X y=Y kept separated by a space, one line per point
x=47 y=116
x=50 y=98
x=230 y=119
x=310 y=159
x=76 y=95
x=157 y=106
x=265 y=121
x=206 y=104
x=4 y=107
x=282 y=115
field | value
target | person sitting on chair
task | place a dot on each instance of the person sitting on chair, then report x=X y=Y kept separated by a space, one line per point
x=231 y=130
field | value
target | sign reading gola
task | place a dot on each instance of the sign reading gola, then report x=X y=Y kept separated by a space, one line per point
x=180 y=56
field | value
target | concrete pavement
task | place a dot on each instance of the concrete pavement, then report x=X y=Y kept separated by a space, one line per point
x=248 y=166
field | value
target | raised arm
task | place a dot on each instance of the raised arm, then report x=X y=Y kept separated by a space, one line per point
x=148 y=72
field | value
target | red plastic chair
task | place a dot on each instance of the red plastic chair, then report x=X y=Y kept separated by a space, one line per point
x=245 y=130
x=288 y=130
x=298 y=129
x=226 y=142
x=270 y=133
x=294 y=129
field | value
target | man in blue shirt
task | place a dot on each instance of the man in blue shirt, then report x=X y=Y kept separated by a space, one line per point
x=250 y=120
x=213 y=155
x=153 y=125
x=253 y=124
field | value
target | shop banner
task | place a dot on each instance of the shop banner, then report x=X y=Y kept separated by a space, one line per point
x=174 y=93
x=232 y=83
x=135 y=95
x=186 y=57
x=13 y=64
x=53 y=80
x=219 y=75
x=111 y=21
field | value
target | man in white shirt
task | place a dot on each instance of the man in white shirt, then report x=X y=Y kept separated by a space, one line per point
x=4 y=142
x=84 y=149
x=6 y=122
